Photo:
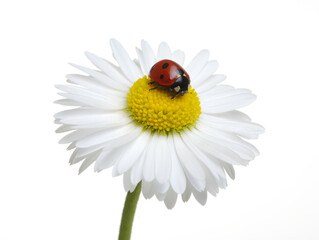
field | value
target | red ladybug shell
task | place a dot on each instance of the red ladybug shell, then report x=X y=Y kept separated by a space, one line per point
x=166 y=72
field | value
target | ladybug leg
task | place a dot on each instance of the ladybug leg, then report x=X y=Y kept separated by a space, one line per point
x=150 y=83
x=173 y=93
x=153 y=88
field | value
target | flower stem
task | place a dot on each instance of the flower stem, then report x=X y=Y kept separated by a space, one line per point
x=129 y=212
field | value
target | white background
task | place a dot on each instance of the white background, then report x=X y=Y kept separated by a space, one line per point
x=271 y=47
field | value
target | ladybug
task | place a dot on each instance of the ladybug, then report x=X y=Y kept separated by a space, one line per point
x=168 y=74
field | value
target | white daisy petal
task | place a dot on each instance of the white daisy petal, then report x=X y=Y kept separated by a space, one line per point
x=108 y=69
x=123 y=140
x=223 y=136
x=149 y=164
x=210 y=83
x=144 y=67
x=88 y=158
x=108 y=158
x=128 y=67
x=170 y=199
x=148 y=55
x=126 y=182
x=201 y=197
x=82 y=152
x=57 y=121
x=76 y=135
x=69 y=102
x=214 y=168
x=93 y=117
x=187 y=194
x=192 y=168
x=160 y=196
x=235 y=116
x=114 y=101
x=206 y=143
x=137 y=169
x=91 y=101
x=213 y=186
x=108 y=136
x=91 y=84
x=128 y=186
x=179 y=57
x=100 y=77
x=162 y=160
x=236 y=124
x=137 y=63
x=148 y=189
x=73 y=159
x=161 y=187
x=177 y=178
x=88 y=162
x=64 y=128
x=133 y=152
x=222 y=91
x=197 y=64
x=96 y=101
x=243 y=149
x=217 y=91
x=209 y=69
x=76 y=113
x=227 y=101
x=164 y=52
x=71 y=146
x=229 y=169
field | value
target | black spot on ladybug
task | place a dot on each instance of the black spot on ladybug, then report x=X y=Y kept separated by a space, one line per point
x=165 y=65
x=162 y=76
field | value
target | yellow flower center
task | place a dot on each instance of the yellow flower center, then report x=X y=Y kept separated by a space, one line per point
x=155 y=110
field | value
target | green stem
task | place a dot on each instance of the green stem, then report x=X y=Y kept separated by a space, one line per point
x=128 y=213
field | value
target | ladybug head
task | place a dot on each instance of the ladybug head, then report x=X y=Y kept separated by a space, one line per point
x=180 y=86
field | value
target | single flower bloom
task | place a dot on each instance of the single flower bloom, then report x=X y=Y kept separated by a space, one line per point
x=184 y=145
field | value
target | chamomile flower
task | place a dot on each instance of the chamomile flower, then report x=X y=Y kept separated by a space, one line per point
x=184 y=145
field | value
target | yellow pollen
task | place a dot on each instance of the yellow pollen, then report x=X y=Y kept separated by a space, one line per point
x=155 y=110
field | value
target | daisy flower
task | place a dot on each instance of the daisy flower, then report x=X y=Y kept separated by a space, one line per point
x=184 y=145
